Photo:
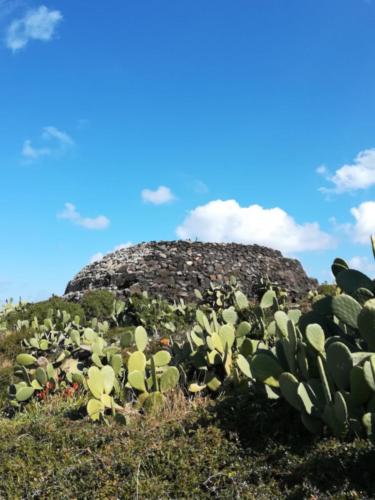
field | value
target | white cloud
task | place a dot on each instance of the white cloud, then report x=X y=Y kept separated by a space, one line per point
x=362 y=264
x=159 y=196
x=37 y=24
x=54 y=133
x=227 y=221
x=358 y=175
x=99 y=255
x=364 y=225
x=31 y=153
x=70 y=213
x=60 y=141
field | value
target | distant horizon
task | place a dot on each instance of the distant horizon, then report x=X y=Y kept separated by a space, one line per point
x=128 y=122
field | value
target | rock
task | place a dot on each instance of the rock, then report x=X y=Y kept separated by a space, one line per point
x=172 y=269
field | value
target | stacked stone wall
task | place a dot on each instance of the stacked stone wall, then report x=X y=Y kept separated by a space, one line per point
x=173 y=269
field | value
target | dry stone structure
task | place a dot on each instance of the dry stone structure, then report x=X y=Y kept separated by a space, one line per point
x=173 y=269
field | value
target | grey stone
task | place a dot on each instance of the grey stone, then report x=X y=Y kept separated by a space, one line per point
x=172 y=269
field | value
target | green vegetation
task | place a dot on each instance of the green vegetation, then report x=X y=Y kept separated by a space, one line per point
x=41 y=311
x=97 y=304
x=239 y=400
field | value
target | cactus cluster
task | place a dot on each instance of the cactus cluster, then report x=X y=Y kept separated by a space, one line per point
x=322 y=362
x=152 y=377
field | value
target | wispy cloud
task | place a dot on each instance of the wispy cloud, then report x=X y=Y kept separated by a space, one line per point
x=54 y=133
x=30 y=153
x=160 y=196
x=58 y=141
x=70 y=213
x=351 y=177
x=227 y=221
x=37 y=24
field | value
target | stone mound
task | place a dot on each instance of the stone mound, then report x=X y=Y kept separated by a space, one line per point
x=173 y=269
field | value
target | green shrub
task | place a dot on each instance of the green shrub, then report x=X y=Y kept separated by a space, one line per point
x=42 y=310
x=98 y=304
x=327 y=289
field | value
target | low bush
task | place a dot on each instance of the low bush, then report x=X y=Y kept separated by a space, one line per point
x=97 y=304
x=44 y=309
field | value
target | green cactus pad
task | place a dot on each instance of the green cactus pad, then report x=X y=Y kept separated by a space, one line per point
x=107 y=401
x=137 y=380
x=340 y=364
x=315 y=337
x=141 y=338
x=243 y=329
x=230 y=316
x=41 y=376
x=36 y=385
x=243 y=365
x=349 y=281
x=226 y=334
x=96 y=360
x=346 y=309
x=302 y=361
x=24 y=393
x=116 y=363
x=212 y=382
x=25 y=360
x=248 y=347
x=338 y=266
x=305 y=394
x=216 y=342
x=289 y=386
x=268 y=299
x=78 y=378
x=95 y=382
x=366 y=323
x=95 y=409
x=90 y=336
x=340 y=408
x=137 y=362
x=161 y=358
x=109 y=376
x=196 y=338
x=282 y=322
x=196 y=387
x=241 y=300
x=169 y=379
x=294 y=315
x=359 y=389
x=203 y=320
x=362 y=295
x=266 y=368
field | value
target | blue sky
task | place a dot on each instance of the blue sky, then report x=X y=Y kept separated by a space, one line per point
x=128 y=121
